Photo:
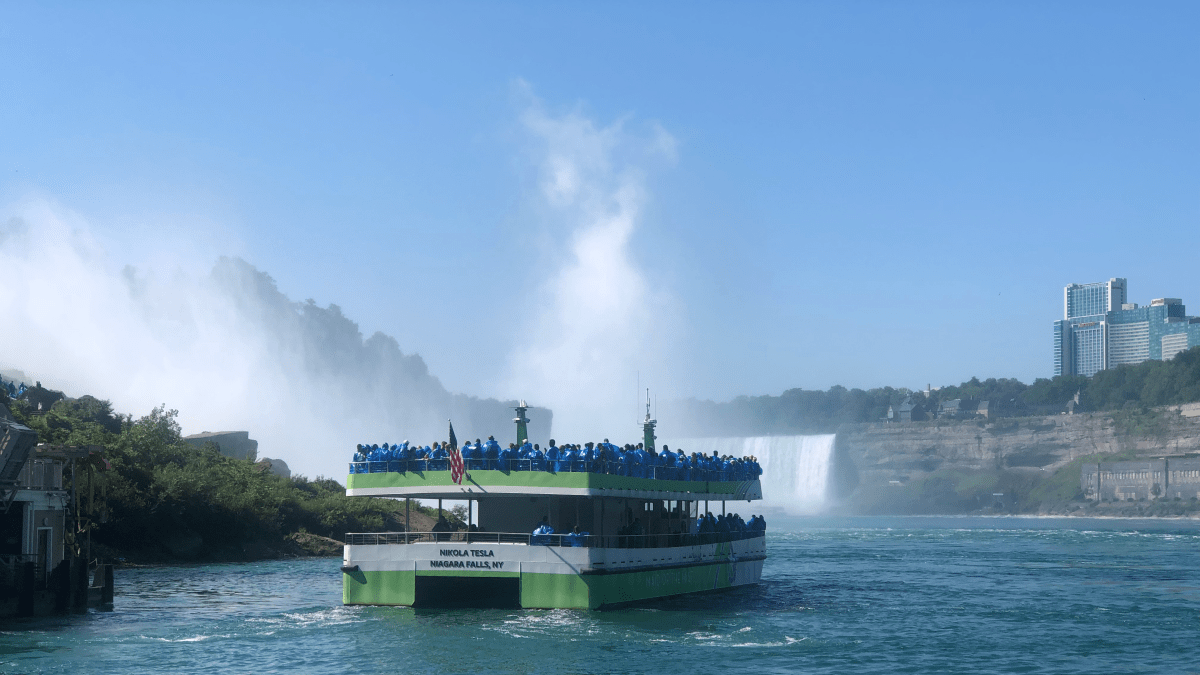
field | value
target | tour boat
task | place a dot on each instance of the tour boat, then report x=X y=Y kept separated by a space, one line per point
x=546 y=534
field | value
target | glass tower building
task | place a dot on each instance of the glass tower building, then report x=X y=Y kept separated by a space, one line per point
x=1101 y=330
x=1084 y=300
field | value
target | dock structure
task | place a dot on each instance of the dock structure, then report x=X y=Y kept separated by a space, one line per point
x=45 y=526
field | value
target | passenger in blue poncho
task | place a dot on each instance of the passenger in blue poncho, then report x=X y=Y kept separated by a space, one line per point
x=376 y=460
x=477 y=456
x=469 y=456
x=592 y=460
x=723 y=527
x=570 y=457
x=541 y=534
x=670 y=464
x=525 y=453
x=755 y=468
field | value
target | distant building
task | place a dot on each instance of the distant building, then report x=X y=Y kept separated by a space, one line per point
x=963 y=409
x=1084 y=300
x=1168 y=478
x=1100 y=329
x=235 y=444
x=950 y=408
x=904 y=412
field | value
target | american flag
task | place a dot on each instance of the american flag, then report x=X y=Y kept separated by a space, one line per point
x=456 y=460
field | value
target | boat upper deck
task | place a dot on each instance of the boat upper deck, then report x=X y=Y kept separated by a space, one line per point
x=427 y=479
x=591 y=470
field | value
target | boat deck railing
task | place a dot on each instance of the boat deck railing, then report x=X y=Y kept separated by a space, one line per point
x=568 y=540
x=420 y=466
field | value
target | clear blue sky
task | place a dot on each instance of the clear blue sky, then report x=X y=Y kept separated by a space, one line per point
x=859 y=193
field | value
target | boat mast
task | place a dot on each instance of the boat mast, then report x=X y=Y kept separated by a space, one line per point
x=522 y=423
x=648 y=426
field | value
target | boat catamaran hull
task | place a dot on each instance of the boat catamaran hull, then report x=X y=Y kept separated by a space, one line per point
x=501 y=566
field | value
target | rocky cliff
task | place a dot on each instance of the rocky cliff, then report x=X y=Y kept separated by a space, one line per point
x=949 y=466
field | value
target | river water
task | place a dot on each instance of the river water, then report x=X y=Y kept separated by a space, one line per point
x=853 y=595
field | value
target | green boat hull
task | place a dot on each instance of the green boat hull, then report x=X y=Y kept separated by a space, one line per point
x=587 y=590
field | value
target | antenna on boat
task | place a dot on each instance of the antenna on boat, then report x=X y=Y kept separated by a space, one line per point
x=522 y=423
x=648 y=426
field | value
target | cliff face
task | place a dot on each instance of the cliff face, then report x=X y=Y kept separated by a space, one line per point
x=872 y=459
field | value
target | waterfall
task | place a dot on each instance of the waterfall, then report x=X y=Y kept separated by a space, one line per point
x=795 y=468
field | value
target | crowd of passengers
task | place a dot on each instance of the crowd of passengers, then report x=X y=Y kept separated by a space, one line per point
x=706 y=529
x=604 y=457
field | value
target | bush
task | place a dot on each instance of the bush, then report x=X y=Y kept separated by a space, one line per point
x=160 y=490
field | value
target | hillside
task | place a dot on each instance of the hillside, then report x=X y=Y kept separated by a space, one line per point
x=168 y=501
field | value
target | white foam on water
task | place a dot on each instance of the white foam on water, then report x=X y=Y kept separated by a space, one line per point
x=795 y=468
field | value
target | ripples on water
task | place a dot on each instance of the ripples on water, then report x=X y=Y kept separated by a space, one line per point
x=894 y=595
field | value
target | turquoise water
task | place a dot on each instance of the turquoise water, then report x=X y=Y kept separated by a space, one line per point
x=862 y=595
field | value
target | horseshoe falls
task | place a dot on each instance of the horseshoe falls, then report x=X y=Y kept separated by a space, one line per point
x=796 y=469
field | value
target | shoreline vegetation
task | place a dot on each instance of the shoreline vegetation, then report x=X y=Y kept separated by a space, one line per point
x=167 y=501
x=1131 y=390
x=170 y=502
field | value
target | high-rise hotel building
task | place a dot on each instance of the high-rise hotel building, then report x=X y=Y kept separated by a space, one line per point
x=1100 y=329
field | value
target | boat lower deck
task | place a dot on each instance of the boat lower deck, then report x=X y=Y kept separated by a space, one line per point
x=558 y=572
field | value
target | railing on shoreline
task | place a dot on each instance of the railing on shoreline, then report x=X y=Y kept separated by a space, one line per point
x=567 y=540
x=420 y=466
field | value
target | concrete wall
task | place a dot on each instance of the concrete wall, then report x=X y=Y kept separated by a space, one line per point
x=1165 y=478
